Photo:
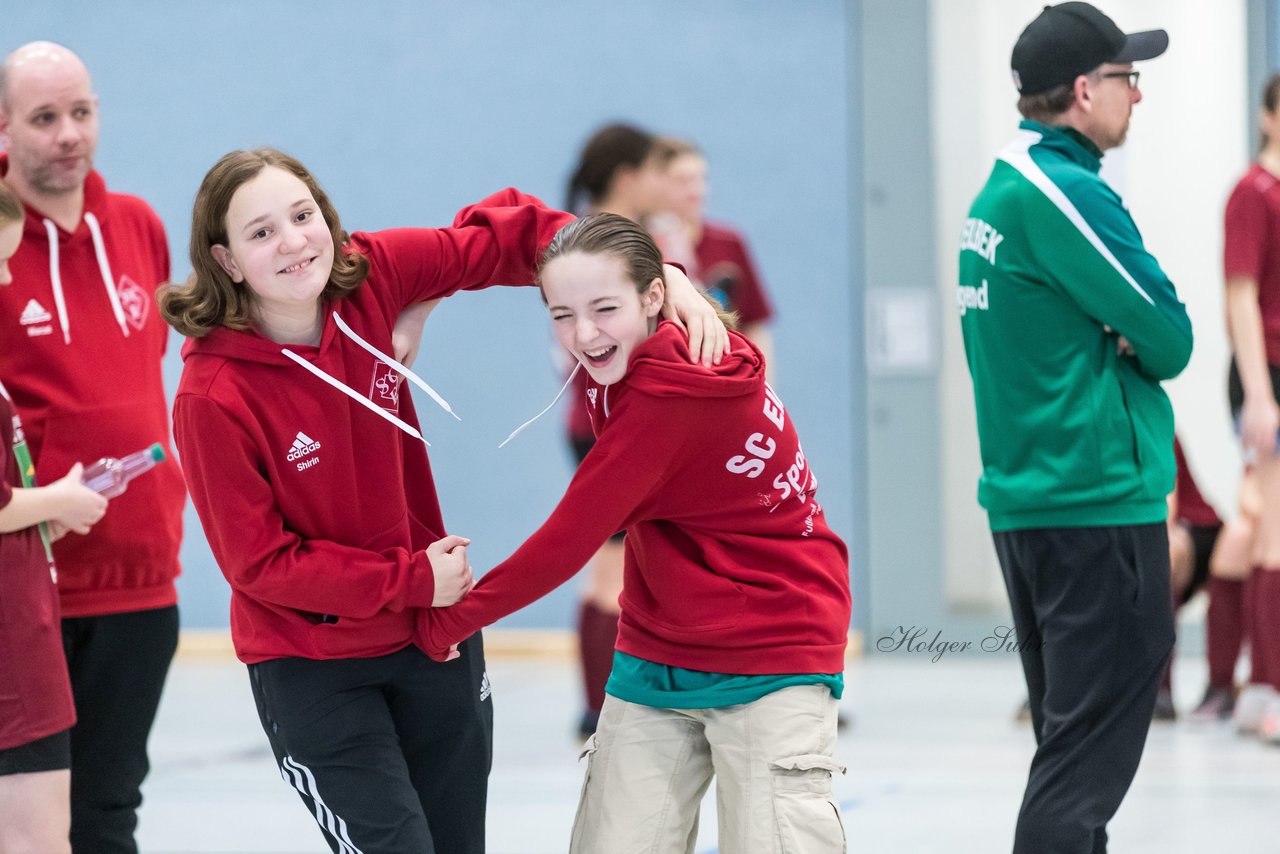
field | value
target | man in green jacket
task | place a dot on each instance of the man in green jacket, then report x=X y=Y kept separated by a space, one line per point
x=1069 y=327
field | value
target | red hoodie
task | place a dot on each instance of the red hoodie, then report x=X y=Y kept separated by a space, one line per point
x=730 y=565
x=317 y=509
x=86 y=380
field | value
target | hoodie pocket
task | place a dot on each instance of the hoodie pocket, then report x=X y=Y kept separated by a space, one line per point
x=353 y=637
x=142 y=527
x=687 y=604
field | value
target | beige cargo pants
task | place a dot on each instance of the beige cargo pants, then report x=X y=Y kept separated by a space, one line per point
x=647 y=770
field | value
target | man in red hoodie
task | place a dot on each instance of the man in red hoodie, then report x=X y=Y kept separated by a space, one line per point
x=80 y=350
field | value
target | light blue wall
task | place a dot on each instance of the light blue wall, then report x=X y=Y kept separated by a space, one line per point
x=407 y=111
x=1263 y=42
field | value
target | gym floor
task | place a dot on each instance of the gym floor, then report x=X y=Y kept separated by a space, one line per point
x=936 y=763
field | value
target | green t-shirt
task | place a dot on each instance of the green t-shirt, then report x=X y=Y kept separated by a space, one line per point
x=662 y=686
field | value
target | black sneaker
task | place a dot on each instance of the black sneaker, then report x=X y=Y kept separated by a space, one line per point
x=1218 y=704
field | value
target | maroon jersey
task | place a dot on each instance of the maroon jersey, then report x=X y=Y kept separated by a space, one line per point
x=726 y=270
x=35 y=691
x=1251 y=246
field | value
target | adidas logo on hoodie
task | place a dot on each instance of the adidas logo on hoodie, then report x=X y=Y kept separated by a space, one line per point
x=37 y=319
x=303 y=445
x=35 y=313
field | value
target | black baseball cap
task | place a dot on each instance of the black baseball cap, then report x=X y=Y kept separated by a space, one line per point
x=1071 y=39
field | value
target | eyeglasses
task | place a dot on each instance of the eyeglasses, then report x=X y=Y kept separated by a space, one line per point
x=1131 y=75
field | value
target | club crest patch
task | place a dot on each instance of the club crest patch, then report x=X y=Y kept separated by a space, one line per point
x=134 y=301
x=385 y=388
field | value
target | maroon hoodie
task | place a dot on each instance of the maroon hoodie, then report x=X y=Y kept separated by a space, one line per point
x=730 y=565
x=80 y=349
x=316 y=508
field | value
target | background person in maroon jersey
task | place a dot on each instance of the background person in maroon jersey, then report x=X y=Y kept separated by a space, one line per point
x=1251 y=270
x=715 y=254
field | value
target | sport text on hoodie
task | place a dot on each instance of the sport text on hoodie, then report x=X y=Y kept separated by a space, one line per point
x=730 y=566
x=317 y=509
x=80 y=350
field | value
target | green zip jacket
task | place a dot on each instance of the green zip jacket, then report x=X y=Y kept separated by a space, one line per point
x=1052 y=271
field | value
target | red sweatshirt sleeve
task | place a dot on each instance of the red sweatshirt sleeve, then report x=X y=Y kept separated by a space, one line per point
x=1245 y=232
x=613 y=482
x=496 y=241
x=258 y=554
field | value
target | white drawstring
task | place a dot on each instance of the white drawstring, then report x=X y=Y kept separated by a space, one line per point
x=395 y=366
x=55 y=279
x=357 y=397
x=365 y=401
x=577 y=366
x=104 y=267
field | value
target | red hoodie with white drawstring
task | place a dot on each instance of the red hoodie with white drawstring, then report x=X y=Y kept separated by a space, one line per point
x=303 y=462
x=81 y=343
x=730 y=566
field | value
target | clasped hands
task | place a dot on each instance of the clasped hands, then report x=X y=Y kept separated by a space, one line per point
x=453 y=576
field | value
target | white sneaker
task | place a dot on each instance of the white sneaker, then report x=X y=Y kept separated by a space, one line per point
x=1251 y=706
x=1269 y=726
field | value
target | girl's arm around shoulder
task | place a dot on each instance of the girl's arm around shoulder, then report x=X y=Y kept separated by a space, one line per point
x=496 y=241
x=692 y=312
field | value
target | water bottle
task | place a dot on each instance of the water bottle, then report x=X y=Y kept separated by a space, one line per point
x=110 y=476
